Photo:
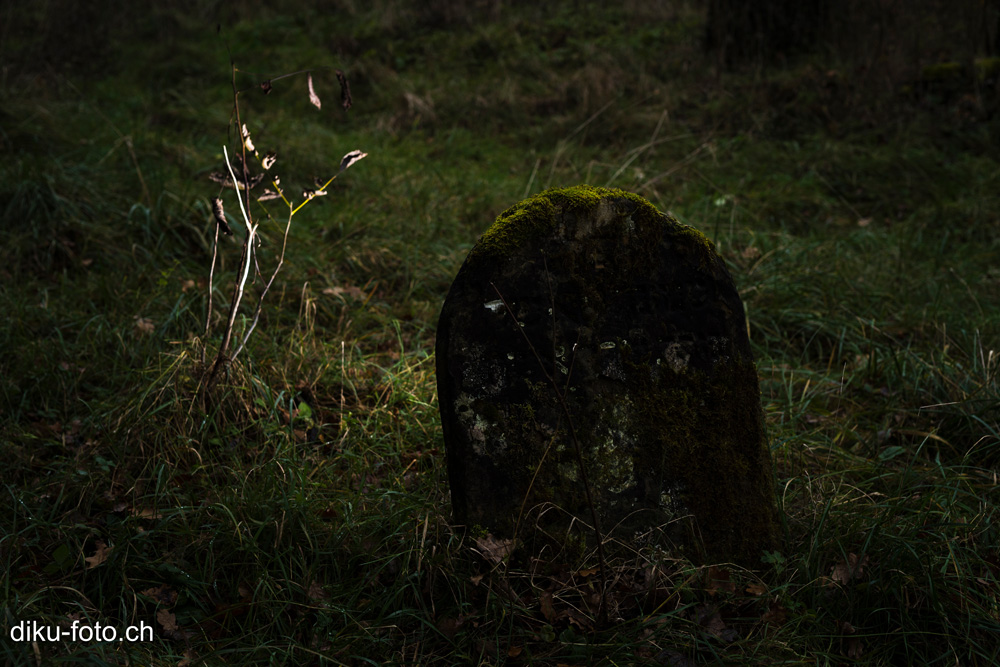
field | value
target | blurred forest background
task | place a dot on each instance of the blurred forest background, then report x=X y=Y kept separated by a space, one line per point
x=842 y=156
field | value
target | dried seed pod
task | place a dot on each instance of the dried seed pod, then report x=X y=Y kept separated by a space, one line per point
x=220 y=216
x=247 y=141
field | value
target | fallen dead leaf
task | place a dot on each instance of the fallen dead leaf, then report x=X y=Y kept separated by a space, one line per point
x=493 y=549
x=581 y=621
x=167 y=620
x=775 y=614
x=449 y=625
x=143 y=325
x=847 y=570
x=852 y=645
x=708 y=617
x=100 y=555
x=548 y=609
x=316 y=592
x=163 y=594
x=720 y=581
x=246 y=593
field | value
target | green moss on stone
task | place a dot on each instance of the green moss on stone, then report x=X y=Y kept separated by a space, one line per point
x=534 y=217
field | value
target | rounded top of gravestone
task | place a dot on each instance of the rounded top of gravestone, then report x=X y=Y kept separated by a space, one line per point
x=574 y=213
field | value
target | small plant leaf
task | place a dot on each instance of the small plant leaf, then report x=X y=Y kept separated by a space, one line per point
x=226 y=182
x=890 y=453
x=313 y=97
x=268 y=195
x=221 y=179
x=269 y=160
x=773 y=558
x=351 y=158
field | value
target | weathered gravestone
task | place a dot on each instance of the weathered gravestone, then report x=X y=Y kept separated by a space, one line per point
x=595 y=296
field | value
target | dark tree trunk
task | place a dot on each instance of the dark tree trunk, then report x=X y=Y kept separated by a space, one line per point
x=760 y=31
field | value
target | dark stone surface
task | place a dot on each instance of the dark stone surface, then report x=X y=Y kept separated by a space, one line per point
x=637 y=322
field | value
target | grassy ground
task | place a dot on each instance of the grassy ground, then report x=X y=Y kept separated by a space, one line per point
x=303 y=517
